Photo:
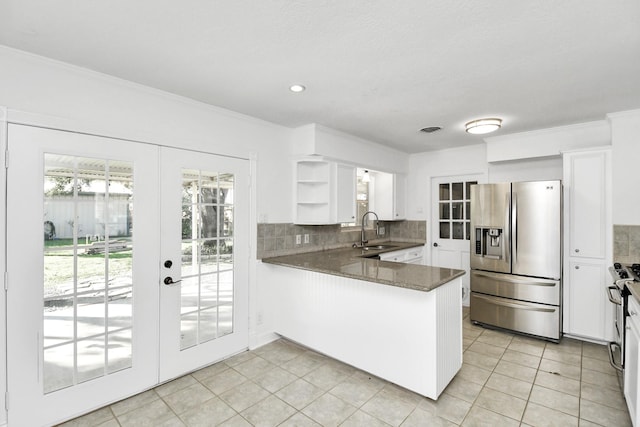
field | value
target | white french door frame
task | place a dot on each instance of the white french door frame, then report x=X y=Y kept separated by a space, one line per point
x=249 y=267
x=3 y=267
x=24 y=343
x=174 y=360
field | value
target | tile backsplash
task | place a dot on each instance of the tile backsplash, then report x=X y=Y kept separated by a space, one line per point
x=280 y=238
x=626 y=243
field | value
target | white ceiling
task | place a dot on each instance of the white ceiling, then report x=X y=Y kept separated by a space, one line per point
x=377 y=69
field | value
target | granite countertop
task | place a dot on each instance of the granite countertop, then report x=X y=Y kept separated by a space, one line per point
x=355 y=264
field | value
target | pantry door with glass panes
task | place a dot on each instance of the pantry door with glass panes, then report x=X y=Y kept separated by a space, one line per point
x=450 y=225
x=204 y=259
x=82 y=298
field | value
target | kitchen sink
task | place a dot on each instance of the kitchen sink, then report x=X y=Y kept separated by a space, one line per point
x=377 y=247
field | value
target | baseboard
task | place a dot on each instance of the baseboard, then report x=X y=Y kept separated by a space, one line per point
x=258 y=340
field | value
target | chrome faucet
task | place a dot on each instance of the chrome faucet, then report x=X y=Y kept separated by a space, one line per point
x=362 y=239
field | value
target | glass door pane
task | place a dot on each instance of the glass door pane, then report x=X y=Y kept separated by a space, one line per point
x=88 y=254
x=207 y=256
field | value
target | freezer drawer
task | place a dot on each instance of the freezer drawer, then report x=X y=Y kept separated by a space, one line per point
x=545 y=291
x=529 y=318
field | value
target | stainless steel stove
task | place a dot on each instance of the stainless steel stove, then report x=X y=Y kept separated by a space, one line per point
x=618 y=294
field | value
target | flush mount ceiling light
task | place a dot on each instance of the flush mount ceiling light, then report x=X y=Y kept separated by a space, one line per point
x=366 y=177
x=297 y=88
x=481 y=126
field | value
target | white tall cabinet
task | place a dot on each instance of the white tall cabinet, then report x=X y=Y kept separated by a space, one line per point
x=587 y=243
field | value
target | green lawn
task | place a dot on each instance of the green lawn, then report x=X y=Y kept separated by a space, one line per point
x=58 y=268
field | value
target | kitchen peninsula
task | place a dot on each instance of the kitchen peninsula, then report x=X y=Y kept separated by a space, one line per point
x=401 y=322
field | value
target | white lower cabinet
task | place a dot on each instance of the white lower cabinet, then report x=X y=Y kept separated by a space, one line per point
x=408 y=256
x=587 y=309
x=631 y=360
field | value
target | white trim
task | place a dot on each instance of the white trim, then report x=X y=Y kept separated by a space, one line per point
x=81 y=127
x=621 y=114
x=3 y=260
x=547 y=131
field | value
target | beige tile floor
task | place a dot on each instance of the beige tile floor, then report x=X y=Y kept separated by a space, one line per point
x=505 y=380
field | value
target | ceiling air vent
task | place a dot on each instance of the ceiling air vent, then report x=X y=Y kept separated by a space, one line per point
x=430 y=129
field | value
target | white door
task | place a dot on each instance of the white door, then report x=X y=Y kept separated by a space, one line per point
x=83 y=305
x=204 y=262
x=450 y=224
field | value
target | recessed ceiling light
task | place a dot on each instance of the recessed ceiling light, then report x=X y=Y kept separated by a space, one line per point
x=297 y=88
x=481 y=126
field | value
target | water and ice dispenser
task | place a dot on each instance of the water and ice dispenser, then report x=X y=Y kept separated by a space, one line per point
x=489 y=242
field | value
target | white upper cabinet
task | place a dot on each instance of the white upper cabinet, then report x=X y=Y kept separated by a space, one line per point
x=389 y=196
x=324 y=192
x=345 y=193
x=313 y=192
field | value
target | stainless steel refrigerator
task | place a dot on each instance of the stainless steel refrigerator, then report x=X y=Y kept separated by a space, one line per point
x=516 y=257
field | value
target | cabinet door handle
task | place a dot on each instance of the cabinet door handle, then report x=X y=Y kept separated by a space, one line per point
x=632 y=313
x=577 y=267
x=577 y=250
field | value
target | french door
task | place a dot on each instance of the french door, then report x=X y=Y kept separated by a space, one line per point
x=90 y=319
x=204 y=221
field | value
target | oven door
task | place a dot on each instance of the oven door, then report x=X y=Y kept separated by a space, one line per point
x=616 y=347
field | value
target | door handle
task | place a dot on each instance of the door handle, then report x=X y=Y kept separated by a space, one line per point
x=506 y=243
x=435 y=245
x=500 y=278
x=514 y=227
x=169 y=281
x=516 y=305
x=616 y=301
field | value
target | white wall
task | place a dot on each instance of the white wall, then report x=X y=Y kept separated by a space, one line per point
x=37 y=90
x=625 y=135
x=425 y=166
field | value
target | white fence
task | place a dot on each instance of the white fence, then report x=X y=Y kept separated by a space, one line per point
x=92 y=216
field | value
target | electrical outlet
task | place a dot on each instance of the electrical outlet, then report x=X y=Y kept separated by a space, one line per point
x=306 y=239
x=259 y=319
x=298 y=239
x=381 y=231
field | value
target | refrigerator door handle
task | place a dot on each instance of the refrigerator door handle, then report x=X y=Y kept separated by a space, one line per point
x=514 y=227
x=506 y=252
x=527 y=281
x=519 y=306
